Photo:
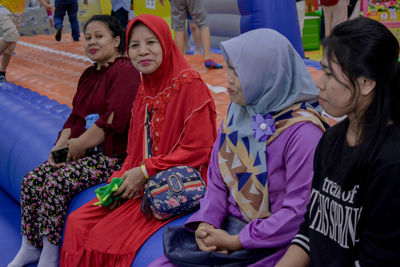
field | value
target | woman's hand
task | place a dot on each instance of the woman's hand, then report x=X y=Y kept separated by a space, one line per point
x=132 y=185
x=211 y=239
x=51 y=160
x=76 y=151
x=201 y=235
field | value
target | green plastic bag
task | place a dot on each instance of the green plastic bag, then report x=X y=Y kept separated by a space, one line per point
x=104 y=193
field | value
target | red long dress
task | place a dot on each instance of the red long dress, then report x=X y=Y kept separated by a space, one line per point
x=182 y=130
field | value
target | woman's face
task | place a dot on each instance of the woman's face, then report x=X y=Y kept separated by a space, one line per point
x=335 y=95
x=145 y=49
x=100 y=46
x=235 y=90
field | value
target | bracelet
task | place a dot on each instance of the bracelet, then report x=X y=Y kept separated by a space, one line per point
x=144 y=171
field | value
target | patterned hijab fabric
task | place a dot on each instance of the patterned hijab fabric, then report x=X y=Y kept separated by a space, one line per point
x=273 y=78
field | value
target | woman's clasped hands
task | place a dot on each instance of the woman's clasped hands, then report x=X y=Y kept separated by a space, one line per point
x=209 y=238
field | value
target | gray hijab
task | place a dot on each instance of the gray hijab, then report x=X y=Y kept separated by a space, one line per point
x=272 y=73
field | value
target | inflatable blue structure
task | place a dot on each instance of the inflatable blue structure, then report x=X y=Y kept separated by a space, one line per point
x=229 y=18
x=28 y=129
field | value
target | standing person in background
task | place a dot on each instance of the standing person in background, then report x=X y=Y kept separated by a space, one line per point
x=335 y=12
x=301 y=12
x=71 y=7
x=120 y=10
x=50 y=17
x=11 y=12
x=179 y=9
x=107 y=89
x=49 y=12
x=353 y=215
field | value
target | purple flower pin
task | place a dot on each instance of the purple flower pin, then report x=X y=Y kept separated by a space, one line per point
x=263 y=127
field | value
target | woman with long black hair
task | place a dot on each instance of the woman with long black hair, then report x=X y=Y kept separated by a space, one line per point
x=353 y=215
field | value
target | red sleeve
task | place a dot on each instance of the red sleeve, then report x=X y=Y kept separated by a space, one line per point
x=194 y=147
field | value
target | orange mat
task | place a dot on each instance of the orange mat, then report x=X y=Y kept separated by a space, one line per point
x=53 y=68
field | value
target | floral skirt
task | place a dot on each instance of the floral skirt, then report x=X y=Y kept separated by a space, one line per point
x=47 y=191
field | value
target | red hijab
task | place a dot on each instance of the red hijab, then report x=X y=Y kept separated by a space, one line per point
x=173 y=61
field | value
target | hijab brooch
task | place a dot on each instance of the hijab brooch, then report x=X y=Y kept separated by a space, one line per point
x=263 y=126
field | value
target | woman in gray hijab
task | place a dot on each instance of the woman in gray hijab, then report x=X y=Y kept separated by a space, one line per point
x=260 y=169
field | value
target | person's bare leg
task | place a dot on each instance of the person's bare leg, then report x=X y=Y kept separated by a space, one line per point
x=5 y=60
x=205 y=42
x=4 y=46
x=186 y=40
x=196 y=37
x=180 y=41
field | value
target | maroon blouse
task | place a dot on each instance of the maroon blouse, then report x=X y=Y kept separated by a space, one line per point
x=110 y=89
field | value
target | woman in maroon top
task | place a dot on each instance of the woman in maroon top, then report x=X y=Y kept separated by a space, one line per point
x=95 y=150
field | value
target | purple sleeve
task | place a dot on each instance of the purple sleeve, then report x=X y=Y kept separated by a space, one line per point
x=214 y=205
x=281 y=227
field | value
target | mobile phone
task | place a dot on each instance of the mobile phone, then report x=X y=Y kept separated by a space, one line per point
x=60 y=155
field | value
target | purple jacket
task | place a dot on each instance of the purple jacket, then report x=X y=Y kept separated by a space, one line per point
x=290 y=171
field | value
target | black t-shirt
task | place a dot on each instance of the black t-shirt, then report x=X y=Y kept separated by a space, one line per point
x=359 y=226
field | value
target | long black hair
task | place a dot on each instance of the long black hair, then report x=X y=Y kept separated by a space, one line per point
x=366 y=48
x=115 y=27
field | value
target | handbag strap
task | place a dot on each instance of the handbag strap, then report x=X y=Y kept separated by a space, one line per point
x=147 y=141
x=145 y=207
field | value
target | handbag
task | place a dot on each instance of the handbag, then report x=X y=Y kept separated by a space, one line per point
x=171 y=192
x=180 y=248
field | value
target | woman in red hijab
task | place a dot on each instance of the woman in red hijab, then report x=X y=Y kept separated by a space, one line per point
x=182 y=132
